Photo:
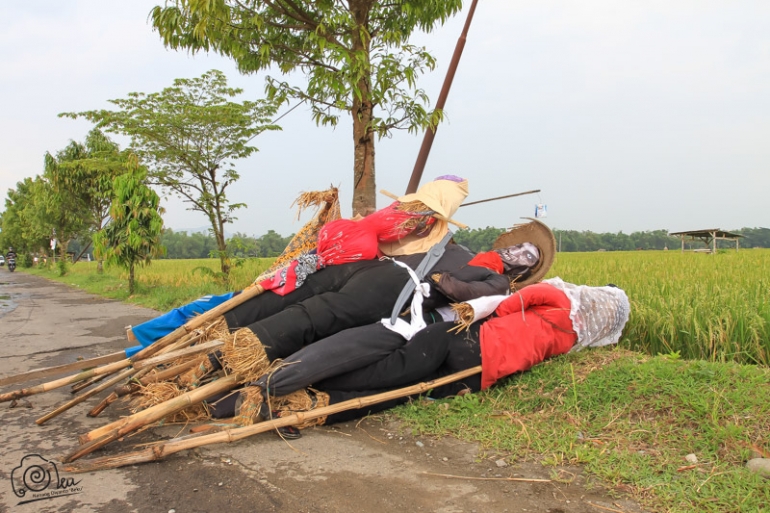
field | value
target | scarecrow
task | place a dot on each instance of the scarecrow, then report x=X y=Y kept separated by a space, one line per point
x=535 y=323
x=520 y=257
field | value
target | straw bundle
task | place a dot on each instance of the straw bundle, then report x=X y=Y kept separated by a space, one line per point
x=306 y=239
x=202 y=370
x=243 y=354
x=301 y=401
x=464 y=314
x=249 y=407
x=158 y=393
x=415 y=207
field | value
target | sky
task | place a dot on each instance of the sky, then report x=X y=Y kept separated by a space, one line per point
x=628 y=116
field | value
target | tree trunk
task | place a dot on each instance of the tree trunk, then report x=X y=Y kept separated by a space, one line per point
x=131 y=279
x=219 y=236
x=364 y=187
x=100 y=266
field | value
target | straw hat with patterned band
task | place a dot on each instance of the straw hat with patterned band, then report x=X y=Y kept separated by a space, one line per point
x=535 y=233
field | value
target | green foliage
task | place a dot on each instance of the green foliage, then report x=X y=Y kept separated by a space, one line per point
x=27 y=260
x=355 y=57
x=189 y=135
x=69 y=201
x=239 y=246
x=630 y=420
x=481 y=239
x=133 y=235
x=478 y=239
x=20 y=223
x=184 y=245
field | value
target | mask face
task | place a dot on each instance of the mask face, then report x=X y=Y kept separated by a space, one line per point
x=523 y=255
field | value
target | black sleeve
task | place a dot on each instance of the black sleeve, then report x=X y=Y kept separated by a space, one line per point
x=471 y=282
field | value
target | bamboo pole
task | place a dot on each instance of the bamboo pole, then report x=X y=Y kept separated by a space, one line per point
x=136 y=383
x=107 y=369
x=77 y=387
x=155 y=413
x=198 y=321
x=67 y=367
x=182 y=343
x=63 y=382
x=79 y=399
x=206 y=347
x=114 y=365
x=159 y=451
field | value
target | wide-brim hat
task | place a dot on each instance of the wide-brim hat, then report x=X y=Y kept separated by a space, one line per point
x=541 y=236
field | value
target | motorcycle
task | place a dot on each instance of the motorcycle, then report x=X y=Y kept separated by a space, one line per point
x=11 y=264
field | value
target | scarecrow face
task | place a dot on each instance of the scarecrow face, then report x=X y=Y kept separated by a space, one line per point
x=519 y=255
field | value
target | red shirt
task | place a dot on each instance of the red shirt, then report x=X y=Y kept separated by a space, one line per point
x=514 y=342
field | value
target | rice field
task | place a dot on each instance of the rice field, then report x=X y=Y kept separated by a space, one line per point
x=702 y=306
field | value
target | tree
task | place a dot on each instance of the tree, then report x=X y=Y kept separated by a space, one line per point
x=19 y=227
x=56 y=209
x=355 y=56
x=188 y=135
x=84 y=174
x=133 y=235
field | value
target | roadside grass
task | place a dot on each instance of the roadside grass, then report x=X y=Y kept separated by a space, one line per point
x=163 y=285
x=629 y=419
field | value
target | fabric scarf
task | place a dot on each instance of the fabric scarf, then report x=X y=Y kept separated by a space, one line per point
x=408 y=329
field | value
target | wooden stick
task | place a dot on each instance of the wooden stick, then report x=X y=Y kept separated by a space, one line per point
x=206 y=347
x=500 y=197
x=115 y=395
x=60 y=369
x=198 y=321
x=79 y=399
x=157 y=452
x=97 y=433
x=63 y=382
x=107 y=369
x=155 y=413
x=136 y=383
x=437 y=216
x=77 y=387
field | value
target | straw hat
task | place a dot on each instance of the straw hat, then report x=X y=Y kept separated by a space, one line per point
x=535 y=233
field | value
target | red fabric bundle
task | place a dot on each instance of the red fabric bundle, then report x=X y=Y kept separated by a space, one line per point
x=344 y=241
x=391 y=225
x=491 y=260
x=283 y=281
x=515 y=342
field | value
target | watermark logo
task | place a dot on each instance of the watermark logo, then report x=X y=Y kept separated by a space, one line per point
x=37 y=479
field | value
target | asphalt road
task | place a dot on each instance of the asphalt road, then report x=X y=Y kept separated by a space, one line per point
x=372 y=466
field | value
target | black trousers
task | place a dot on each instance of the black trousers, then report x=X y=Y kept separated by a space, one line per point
x=432 y=353
x=332 y=300
x=429 y=355
x=392 y=363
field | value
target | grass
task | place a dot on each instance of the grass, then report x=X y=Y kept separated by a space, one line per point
x=163 y=285
x=711 y=307
x=630 y=420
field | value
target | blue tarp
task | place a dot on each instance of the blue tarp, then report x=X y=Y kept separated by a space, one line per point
x=152 y=330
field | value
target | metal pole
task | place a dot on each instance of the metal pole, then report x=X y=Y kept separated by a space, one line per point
x=427 y=141
x=499 y=198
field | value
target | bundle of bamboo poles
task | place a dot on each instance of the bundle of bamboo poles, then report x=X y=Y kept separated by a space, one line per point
x=164 y=448
x=179 y=351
